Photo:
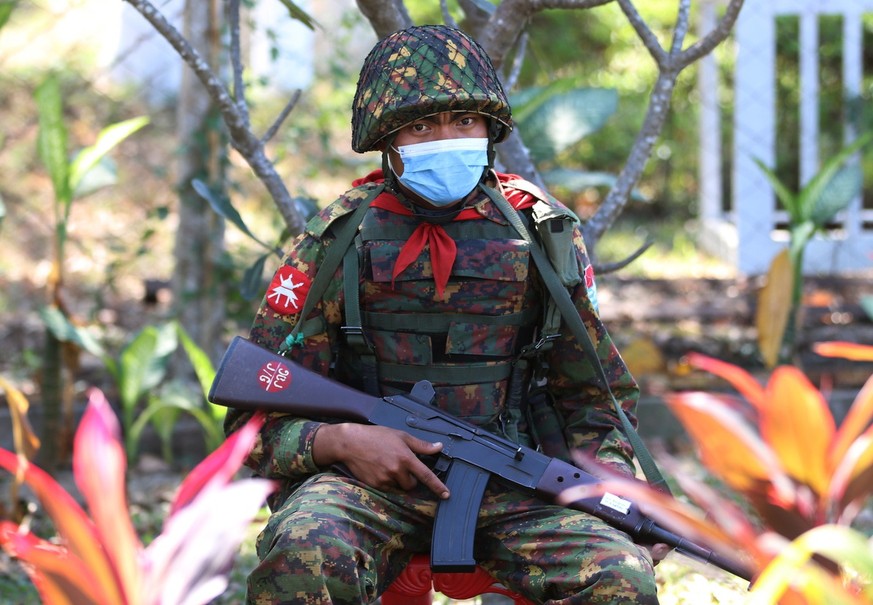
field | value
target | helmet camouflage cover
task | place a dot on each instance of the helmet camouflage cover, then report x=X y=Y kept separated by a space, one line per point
x=420 y=71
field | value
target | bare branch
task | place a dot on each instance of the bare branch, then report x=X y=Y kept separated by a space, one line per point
x=476 y=14
x=239 y=91
x=718 y=35
x=517 y=62
x=292 y=103
x=648 y=38
x=513 y=153
x=618 y=265
x=617 y=197
x=511 y=18
x=241 y=138
x=499 y=36
x=447 y=16
x=386 y=16
x=670 y=65
x=539 y=5
x=682 y=20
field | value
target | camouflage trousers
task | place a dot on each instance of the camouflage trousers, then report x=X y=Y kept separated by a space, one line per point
x=337 y=541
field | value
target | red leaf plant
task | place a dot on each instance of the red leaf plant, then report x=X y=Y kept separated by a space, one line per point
x=805 y=478
x=100 y=559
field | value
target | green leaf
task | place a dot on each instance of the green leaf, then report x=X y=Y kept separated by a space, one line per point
x=867 y=305
x=252 y=283
x=108 y=138
x=563 y=120
x=843 y=544
x=306 y=206
x=527 y=101
x=62 y=329
x=52 y=140
x=203 y=368
x=785 y=195
x=143 y=364
x=299 y=14
x=6 y=7
x=840 y=191
x=801 y=234
x=816 y=187
x=222 y=206
x=103 y=174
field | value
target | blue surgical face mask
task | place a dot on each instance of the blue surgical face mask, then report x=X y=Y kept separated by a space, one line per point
x=443 y=172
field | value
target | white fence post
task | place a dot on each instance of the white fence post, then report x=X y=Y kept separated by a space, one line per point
x=755 y=215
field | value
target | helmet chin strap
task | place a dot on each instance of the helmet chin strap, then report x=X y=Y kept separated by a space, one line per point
x=494 y=129
x=388 y=173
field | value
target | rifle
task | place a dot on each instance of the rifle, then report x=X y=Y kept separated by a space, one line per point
x=252 y=378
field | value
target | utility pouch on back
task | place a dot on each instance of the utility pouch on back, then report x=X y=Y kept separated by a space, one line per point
x=554 y=225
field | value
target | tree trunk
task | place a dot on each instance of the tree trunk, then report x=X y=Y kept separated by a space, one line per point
x=198 y=285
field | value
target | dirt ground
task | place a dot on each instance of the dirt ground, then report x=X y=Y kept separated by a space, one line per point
x=657 y=321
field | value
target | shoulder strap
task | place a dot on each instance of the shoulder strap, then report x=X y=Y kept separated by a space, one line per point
x=332 y=258
x=561 y=297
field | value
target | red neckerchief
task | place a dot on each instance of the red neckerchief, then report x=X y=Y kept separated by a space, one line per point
x=443 y=249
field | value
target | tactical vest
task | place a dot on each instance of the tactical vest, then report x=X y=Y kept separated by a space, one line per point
x=465 y=343
x=482 y=343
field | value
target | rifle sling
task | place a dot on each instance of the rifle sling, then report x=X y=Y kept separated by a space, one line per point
x=562 y=299
x=332 y=258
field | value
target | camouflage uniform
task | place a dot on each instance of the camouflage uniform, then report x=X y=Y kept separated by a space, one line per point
x=332 y=539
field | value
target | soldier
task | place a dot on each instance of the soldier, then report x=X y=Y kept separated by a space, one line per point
x=435 y=283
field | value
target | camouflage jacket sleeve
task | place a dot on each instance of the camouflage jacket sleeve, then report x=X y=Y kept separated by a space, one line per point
x=283 y=449
x=592 y=426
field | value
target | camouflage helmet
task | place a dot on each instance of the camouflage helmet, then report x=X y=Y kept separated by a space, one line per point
x=421 y=71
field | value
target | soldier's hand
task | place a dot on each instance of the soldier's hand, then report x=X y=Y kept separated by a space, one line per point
x=381 y=457
x=658 y=551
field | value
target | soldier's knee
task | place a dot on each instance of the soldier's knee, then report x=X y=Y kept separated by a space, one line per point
x=294 y=573
x=629 y=578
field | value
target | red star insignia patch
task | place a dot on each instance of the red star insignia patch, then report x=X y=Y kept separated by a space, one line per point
x=288 y=290
x=589 y=277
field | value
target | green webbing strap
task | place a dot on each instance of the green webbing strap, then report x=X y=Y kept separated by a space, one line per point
x=433 y=322
x=332 y=259
x=353 y=329
x=574 y=322
x=467 y=373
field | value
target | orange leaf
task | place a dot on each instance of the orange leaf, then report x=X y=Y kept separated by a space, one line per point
x=798 y=425
x=25 y=440
x=774 y=307
x=851 y=478
x=59 y=577
x=71 y=522
x=727 y=445
x=99 y=465
x=856 y=421
x=741 y=380
x=846 y=350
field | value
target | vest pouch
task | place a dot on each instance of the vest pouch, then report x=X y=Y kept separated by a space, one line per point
x=554 y=225
x=546 y=425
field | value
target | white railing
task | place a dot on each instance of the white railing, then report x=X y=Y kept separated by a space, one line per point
x=749 y=231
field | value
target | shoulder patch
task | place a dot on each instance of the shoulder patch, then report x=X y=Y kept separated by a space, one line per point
x=288 y=290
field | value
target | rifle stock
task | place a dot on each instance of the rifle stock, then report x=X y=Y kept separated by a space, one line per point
x=252 y=378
